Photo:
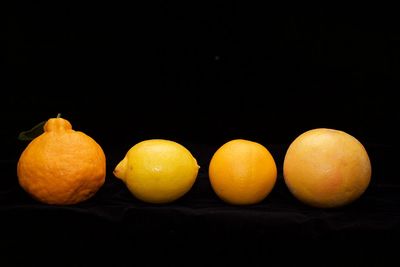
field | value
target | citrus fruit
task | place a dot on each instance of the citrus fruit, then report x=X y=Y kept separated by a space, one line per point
x=242 y=172
x=326 y=168
x=61 y=166
x=158 y=170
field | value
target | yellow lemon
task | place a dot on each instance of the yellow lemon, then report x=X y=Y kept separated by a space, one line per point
x=158 y=170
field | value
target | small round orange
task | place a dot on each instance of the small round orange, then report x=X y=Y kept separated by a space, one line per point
x=242 y=172
x=61 y=166
x=326 y=168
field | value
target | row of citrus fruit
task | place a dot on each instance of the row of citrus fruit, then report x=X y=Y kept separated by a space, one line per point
x=322 y=168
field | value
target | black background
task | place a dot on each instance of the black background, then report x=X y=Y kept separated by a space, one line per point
x=202 y=74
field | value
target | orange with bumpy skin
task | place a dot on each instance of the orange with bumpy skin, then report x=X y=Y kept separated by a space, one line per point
x=61 y=166
x=242 y=172
x=326 y=168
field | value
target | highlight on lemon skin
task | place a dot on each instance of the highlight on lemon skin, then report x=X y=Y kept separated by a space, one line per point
x=158 y=171
x=242 y=172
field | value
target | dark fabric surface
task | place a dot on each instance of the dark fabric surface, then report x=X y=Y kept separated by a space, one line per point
x=115 y=229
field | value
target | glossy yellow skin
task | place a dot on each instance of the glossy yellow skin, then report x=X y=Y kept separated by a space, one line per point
x=158 y=171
